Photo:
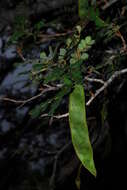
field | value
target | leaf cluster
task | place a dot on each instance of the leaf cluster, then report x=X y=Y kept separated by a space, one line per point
x=61 y=66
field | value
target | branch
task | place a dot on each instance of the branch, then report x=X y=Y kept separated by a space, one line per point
x=94 y=80
x=56 y=116
x=108 y=4
x=106 y=84
x=50 y=88
x=23 y=102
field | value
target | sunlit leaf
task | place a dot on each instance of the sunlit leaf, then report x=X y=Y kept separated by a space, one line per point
x=84 y=56
x=88 y=39
x=79 y=129
x=72 y=61
x=68 y=42
x=43 y=55
x=79 y=28
x=62 y=51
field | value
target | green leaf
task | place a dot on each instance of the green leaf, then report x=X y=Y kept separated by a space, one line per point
x=83 y=42
x=75 y=71
x=67 y=81
x=39 y=25
x=94 y=16
x=72 y=61
x=43 y=55
x=83 y=8
x=88 y=39
x=58 y=98
x=68 y=42
x=36 y=112
x=86 y=11
x=84 y=56
x=54 y=75
x=73 y=55
x=79 y=28
x=62 y=54
x=79 y=129
x=38 y=66
x=80 y=47
x=62 y=51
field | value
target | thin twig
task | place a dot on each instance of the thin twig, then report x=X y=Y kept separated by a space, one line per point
x=56 y=116
x=106 y=84
x=55 y=35
x=94 y=80
x=23 y=102
x=50 y=88
x=47 y=37
x=124 y=48
x=108 y=4
x=61 y=116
